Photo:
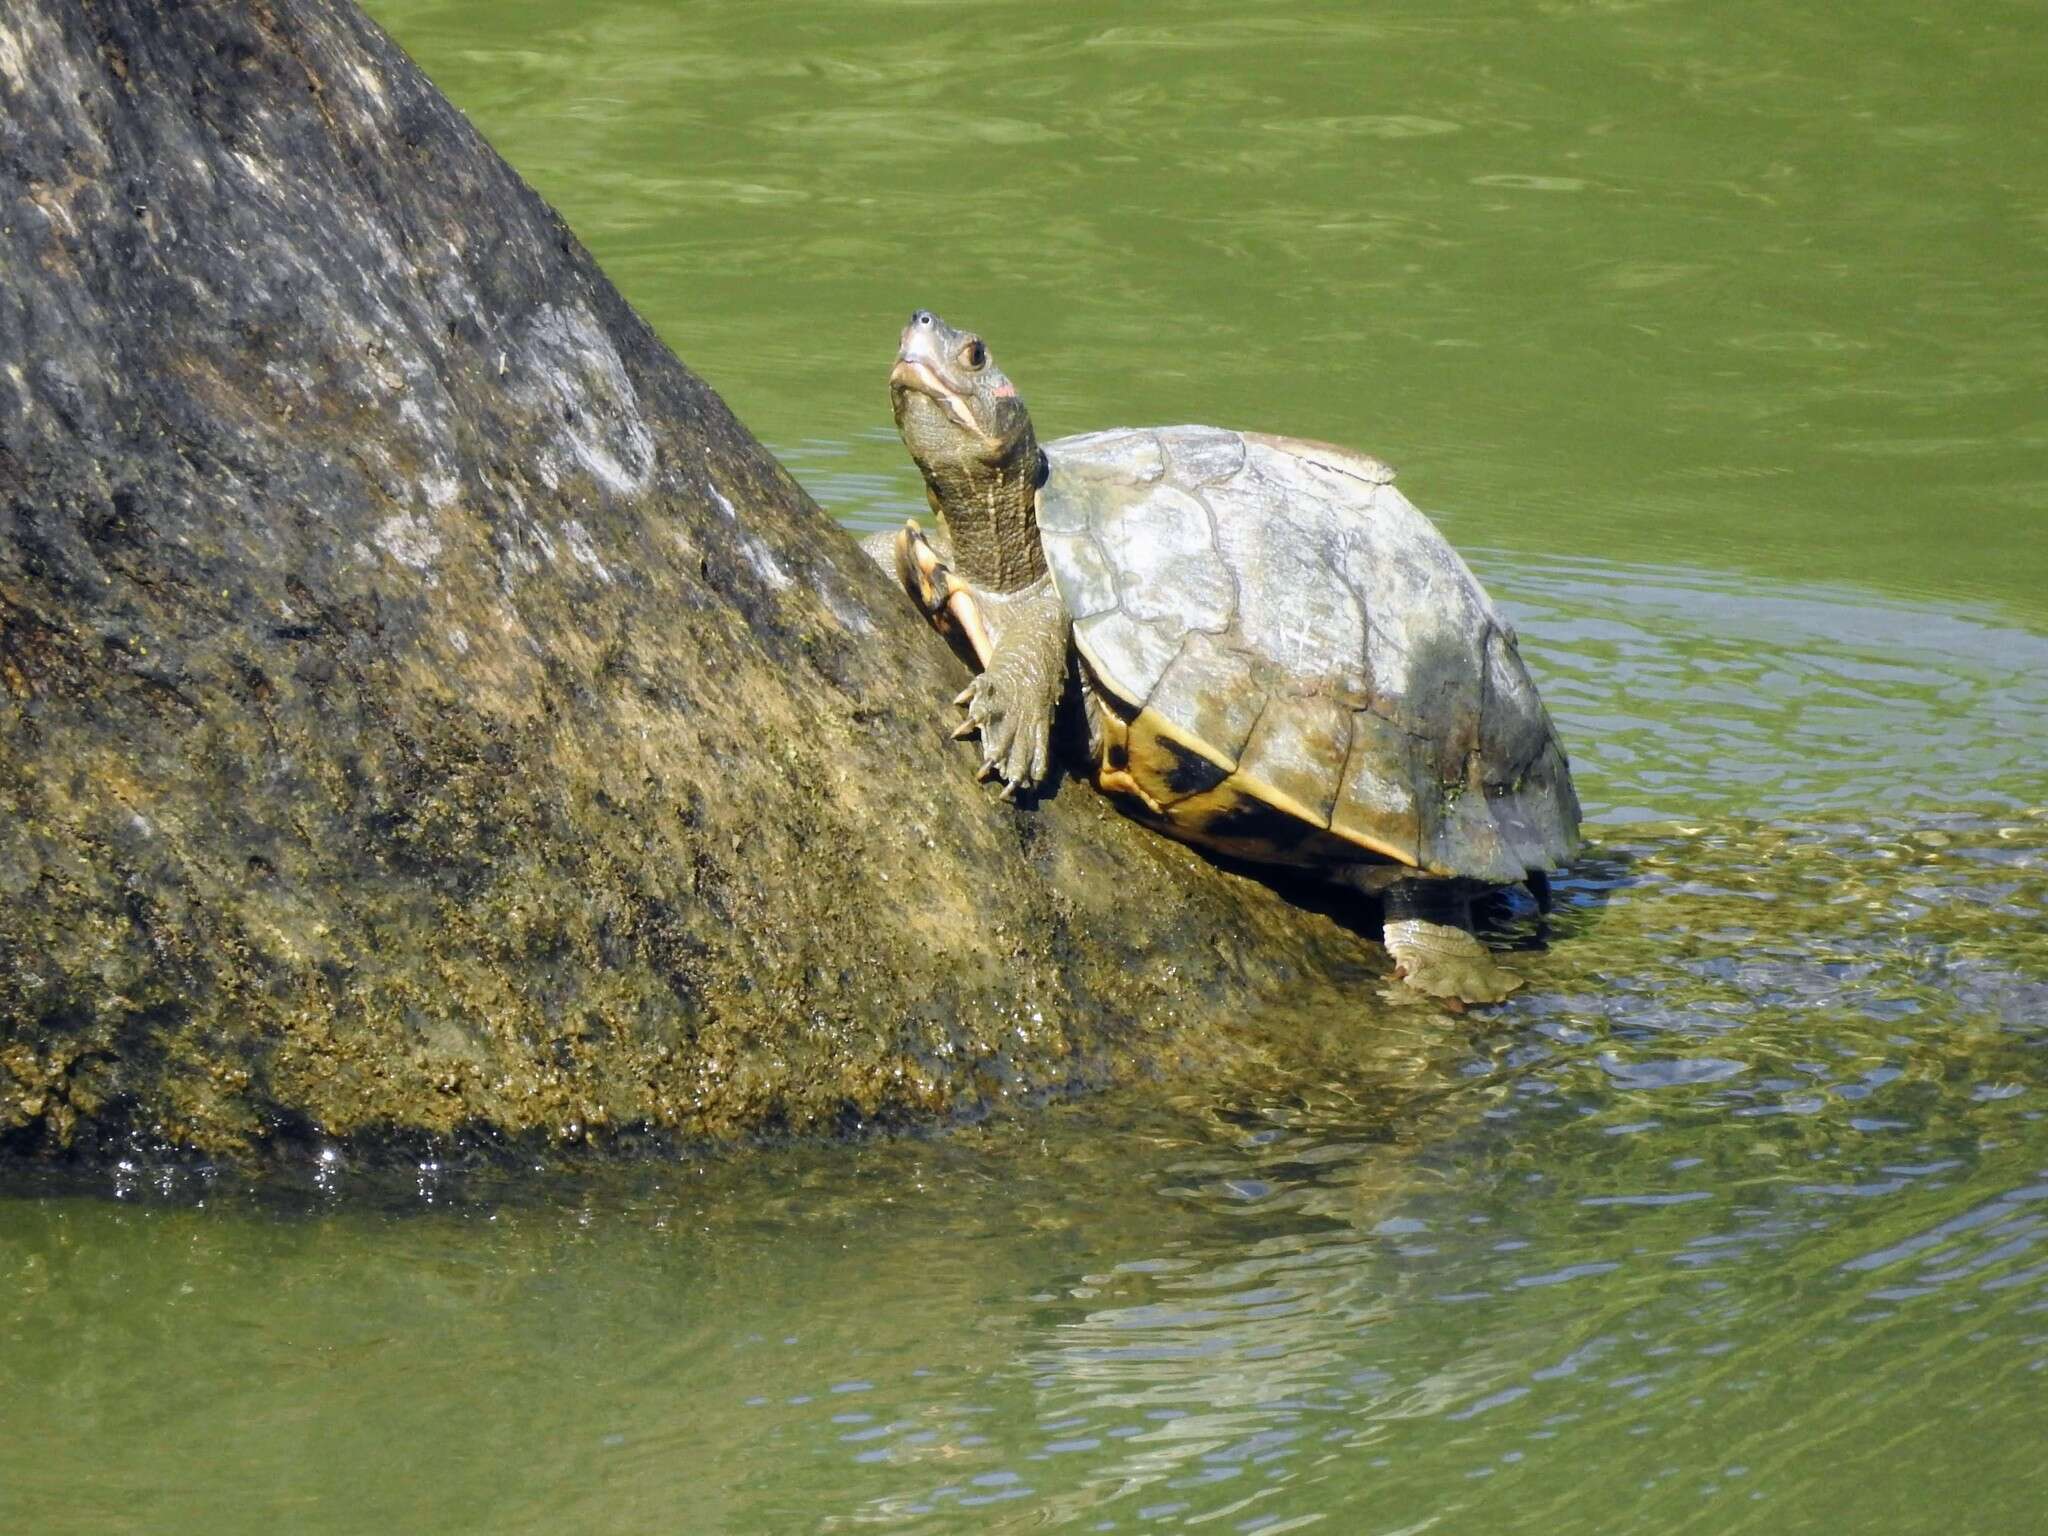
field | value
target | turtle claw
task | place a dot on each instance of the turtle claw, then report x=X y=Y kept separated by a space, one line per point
x=1011 y=703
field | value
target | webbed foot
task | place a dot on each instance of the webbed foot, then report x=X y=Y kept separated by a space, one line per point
x=1428 y=931
x=1014 y=720
x=1013 y=703
x=1447 y=963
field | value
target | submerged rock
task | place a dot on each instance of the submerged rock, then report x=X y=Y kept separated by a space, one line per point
x=424 y=709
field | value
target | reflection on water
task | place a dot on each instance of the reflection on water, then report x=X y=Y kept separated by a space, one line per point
x=1715 y=338
x=1738 y=1220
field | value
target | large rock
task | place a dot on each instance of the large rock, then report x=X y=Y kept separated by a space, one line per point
x=424 y=708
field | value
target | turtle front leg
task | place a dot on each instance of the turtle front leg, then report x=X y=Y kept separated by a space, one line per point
x=1013 y=702
x=1428 y=931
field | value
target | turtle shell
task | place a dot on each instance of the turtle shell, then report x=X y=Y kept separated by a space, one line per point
x=1295 y=666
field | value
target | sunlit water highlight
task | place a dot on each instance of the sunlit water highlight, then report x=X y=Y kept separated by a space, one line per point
x=1716 y=340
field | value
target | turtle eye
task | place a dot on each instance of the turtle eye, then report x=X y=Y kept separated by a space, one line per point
x=976 y=353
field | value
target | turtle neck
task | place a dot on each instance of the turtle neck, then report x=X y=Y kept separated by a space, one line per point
x=990 y=512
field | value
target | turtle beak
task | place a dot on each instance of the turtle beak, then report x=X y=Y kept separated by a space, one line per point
x=917 y=370
x=913 y=375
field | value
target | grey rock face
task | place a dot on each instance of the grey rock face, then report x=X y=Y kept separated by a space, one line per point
x=424 y=708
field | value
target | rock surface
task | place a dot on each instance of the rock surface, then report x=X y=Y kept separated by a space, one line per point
x=424 y=710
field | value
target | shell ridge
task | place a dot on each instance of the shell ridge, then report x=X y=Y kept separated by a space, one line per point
x=1337 y=785
x=1252 y=734
x=1344 y=771
x=1366 y=610
x=1178 y=652
x=1229 y=570
x=1116 y=577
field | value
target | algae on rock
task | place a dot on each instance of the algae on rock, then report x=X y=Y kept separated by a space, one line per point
x=425 y=709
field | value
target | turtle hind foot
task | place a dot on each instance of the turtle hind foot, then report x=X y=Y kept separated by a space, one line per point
x=1447 y=963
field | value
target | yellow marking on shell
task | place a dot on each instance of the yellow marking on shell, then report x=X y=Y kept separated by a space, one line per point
x=1232 y=791
x=1243 y=785
x=1365 y=839
x=1156 y=724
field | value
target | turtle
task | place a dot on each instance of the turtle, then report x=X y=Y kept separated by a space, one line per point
x=1276 y=656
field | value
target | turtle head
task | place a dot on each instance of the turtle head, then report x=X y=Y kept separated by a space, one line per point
x=956 y=409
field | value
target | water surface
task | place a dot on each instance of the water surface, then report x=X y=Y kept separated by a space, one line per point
x=1715 y=337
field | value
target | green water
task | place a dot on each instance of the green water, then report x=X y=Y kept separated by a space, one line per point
x=1717 y=336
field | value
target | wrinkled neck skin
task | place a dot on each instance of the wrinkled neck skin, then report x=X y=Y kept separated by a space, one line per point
x=990 y=512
